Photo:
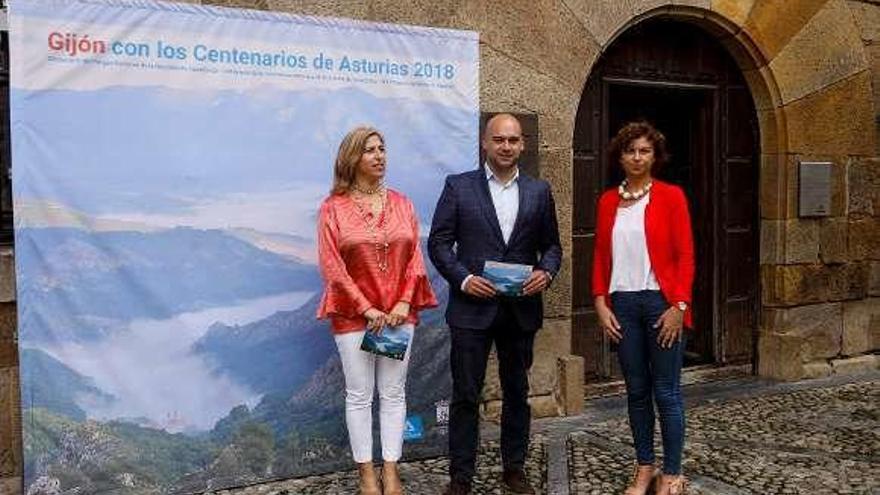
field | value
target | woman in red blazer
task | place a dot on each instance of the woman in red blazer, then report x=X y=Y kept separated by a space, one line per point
x=643 y=271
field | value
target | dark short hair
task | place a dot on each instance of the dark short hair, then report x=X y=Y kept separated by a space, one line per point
x=635 y=130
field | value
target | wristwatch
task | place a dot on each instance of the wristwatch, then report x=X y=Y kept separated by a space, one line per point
x=682 y=306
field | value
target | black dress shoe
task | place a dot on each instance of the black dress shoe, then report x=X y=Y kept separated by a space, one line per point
x=457 y=488
x=514 y=480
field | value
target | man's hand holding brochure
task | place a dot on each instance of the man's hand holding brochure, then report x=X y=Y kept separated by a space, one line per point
x=508 y=278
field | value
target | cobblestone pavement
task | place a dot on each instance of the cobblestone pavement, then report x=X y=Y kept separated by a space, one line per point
x=419 y=477
x=743 y=437
x=818 y=441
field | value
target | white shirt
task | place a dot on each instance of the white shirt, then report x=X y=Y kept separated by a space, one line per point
x=630 y=264
x=505 y=197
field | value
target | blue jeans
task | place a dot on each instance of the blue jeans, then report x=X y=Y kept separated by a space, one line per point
x=650 y=372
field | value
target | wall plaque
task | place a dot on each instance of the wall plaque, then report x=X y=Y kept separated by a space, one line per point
x=814 y=189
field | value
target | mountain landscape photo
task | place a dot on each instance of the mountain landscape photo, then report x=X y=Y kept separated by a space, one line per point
x=167 y=299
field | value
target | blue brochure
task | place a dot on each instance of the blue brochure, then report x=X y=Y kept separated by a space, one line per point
x=508 y=278
x=391 y=342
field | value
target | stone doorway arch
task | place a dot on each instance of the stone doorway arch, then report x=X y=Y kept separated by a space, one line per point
x=680 y=78
x=810 y=81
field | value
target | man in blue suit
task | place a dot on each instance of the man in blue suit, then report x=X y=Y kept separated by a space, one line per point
x=493 y=213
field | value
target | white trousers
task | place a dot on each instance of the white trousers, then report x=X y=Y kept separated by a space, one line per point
x=364 y=372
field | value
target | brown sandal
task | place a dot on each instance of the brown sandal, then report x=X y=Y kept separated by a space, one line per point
x=674 y=485
x=635 y=490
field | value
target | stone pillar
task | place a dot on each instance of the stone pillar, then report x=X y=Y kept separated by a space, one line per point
x=570 y=387
x=555 y=380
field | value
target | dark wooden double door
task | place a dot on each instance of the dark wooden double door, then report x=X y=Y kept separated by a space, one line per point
x=682 y=80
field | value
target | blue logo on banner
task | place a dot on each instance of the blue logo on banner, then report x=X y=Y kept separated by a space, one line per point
x=414 y=428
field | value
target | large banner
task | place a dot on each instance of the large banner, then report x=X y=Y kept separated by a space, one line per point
x=168 y=161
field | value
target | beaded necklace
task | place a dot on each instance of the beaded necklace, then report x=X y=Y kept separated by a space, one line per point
x=626 y=195
x=368 y=192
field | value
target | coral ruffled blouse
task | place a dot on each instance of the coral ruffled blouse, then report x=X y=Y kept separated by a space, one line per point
x=347 y=254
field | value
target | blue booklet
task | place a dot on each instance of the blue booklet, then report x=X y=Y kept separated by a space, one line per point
x=508 y=278
x=391 y=342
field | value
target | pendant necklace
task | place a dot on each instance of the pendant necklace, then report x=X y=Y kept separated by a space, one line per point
x=374 y=229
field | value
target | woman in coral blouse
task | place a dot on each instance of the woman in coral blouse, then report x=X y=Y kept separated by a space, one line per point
x=644 y=263
x=374 y=277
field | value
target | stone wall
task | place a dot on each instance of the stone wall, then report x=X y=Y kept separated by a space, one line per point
x=866 y=15
x=819 y=276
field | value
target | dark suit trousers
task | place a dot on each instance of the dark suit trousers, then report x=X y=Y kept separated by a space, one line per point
x=469 y=356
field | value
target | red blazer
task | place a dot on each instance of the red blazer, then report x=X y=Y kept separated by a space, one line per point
x=669 y=238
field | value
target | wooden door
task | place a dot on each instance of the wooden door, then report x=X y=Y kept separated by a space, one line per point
x=680 y=79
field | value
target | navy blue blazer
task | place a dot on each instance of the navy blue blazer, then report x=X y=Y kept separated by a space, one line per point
x=465 y=233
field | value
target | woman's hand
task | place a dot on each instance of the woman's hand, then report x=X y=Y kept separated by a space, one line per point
x=670 y=325
x=375 y=320
x=607 y=320
x=398 y=314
